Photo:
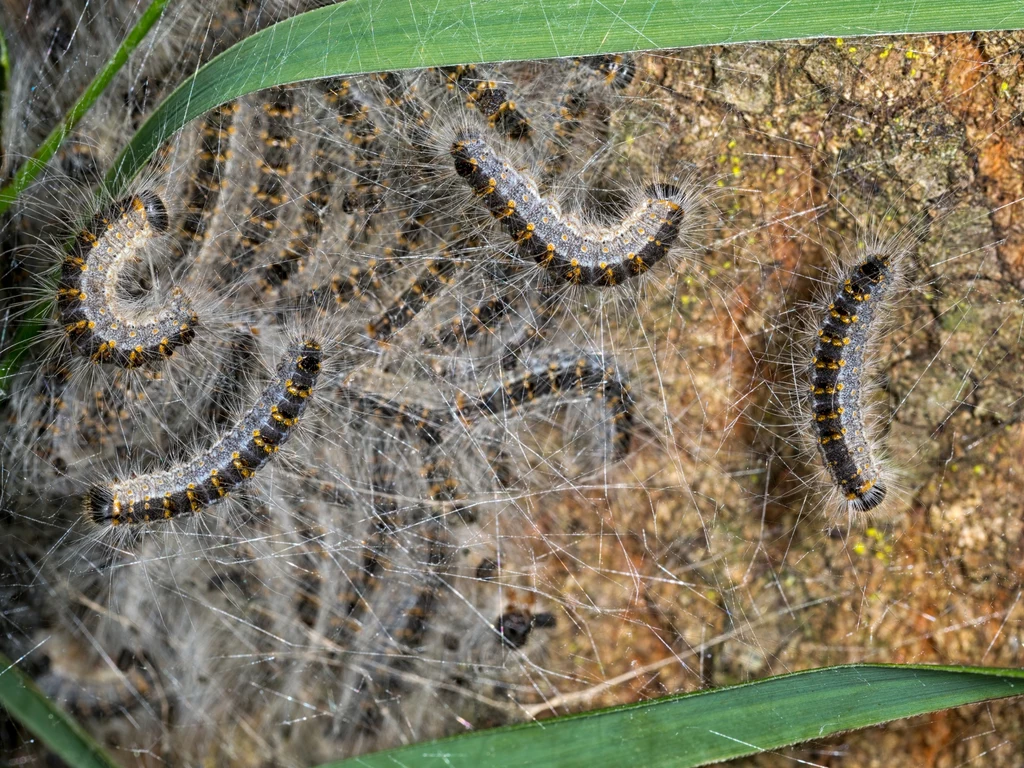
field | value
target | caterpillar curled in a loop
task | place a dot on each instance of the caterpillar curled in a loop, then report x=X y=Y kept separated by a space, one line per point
x=230 y=462
x=838 y=381
x=87 y=301
x=568 y=250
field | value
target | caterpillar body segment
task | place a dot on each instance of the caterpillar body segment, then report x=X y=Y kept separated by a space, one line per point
x=587 y=376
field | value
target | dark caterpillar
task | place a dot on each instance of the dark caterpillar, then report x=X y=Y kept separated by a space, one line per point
x=838 y=385
x=208 y=177
x=591 y=376
x=560 y=378
x=227 y=464
x=87 y=293
x=571 y=252
x=272 y=192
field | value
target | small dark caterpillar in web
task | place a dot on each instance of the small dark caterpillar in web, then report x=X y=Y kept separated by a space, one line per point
x=233 y=459
x=495 y=102
x=208 y=178
x=838 y=382
x=272 y=192
x=556 y=379
x=515 y=625
x=478 y=318
x=96 y=691
x=87 y=299
x=617 y=69
x=356 y=160
x=435 y=277
x=552 y=380
x=567 y=249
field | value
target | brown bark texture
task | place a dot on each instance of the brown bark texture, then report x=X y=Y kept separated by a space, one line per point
x=726 y=565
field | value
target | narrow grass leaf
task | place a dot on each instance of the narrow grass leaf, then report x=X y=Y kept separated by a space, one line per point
x=61 y=734
x=708 y=727
x=31 y=167
x=372 y=35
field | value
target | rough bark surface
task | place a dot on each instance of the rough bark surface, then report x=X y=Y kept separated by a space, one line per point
x=722 y=566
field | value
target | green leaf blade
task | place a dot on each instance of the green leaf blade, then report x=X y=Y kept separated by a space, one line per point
x=62 y=735
x=362 y=36
x=31 y=168
x=712 y=726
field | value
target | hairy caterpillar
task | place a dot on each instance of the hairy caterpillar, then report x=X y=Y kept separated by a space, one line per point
x=559 y=378
x=271 y=192
x=561 y=245
x=555 y=379
x=233 y=459
x=208 y=179
x=568 y=117
x=617 y=69
x=423 y=421
x=356 y=285
x=304 y=237
x=360 y=161
x=495 y=102
x=88 y=687
x=839 y=380
x=87 y=299
x=515 y=625
x=576 y=99
x=437 y=274
x=478 y=318
x=401 y=95
x=396 y=627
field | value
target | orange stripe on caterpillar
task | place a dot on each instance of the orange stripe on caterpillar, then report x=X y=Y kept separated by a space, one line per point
x=567 y=250
x=87 y=293
x=227 y=464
